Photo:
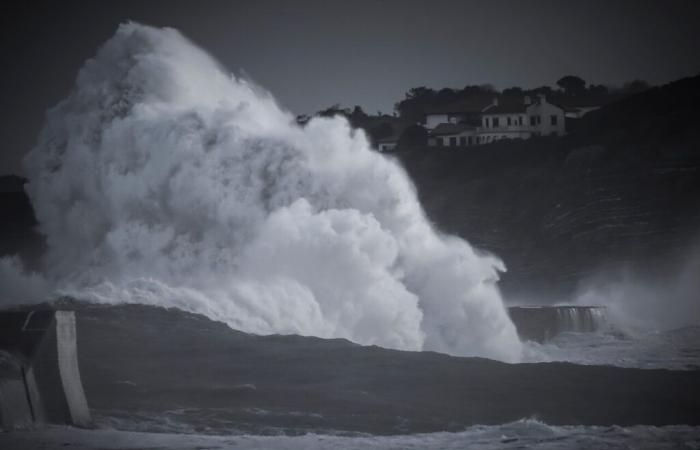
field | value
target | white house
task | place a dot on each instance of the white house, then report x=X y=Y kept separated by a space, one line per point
x=387 y=144
x=522 y=120
x=505 y=121
x=463 y=112
x=509 y=120
x=452 y=135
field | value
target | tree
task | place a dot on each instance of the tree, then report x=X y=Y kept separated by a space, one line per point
x=572 y=85
x=471 y=90
x=635 y=86
x=597 y=89
x=413 y=136
x=415 y=103
x=419 y=92
x=357 y=118
x=546 y=90
x=514 y=91
x=381 y=131
x=333 y=111
x=445 y=96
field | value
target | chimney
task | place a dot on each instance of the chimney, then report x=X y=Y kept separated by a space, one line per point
x=542 y=98
x=527 y=100
x=494 y=101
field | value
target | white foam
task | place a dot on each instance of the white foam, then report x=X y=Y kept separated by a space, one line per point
x=164 y=180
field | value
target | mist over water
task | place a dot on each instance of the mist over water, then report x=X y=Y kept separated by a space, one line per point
x=164 y=180
x=644 y=321
x=635 y=303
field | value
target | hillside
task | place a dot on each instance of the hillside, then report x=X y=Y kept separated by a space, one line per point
x=623 y=190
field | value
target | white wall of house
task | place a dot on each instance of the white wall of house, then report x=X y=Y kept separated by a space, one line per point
x=386 y=146
x=495 y=127
x=546 y=119
x=433 y=120
x=505 y=122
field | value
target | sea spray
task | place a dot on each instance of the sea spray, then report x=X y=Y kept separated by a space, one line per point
x=164 y=180
x=637 y=303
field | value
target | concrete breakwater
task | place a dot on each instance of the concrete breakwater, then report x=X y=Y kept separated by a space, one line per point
x=39 y=375
x=541 y=323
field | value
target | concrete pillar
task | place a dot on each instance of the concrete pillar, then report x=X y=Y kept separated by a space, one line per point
x=42 y=345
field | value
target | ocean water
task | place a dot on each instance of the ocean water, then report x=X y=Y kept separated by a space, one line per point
x=154 y=370
x=522 y=434
x=677 y=349
x=164 y=378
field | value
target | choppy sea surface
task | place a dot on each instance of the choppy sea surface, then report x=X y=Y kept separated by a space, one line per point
x=677 y=349
x=523 y=434
x=168 y=379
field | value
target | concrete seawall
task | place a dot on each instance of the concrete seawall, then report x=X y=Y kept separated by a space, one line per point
x=39 y=373
x=541 y=323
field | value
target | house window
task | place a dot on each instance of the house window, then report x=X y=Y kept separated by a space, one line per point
x=509 y=121
x=554 y=119
x=520 y=119
x=438 y=141
x=494 y=122
x=453 y=142
x=463 y=141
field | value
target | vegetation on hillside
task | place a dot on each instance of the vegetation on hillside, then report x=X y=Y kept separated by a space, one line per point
x=411 y=110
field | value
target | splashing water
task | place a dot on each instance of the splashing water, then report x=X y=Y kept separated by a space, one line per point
x=163 y=180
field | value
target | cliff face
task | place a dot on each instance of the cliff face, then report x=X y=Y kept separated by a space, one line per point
x=622 y=190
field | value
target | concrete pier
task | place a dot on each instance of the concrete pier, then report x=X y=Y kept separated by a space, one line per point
x=39 y=373
x=541 y=323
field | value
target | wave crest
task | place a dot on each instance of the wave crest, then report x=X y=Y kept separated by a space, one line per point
x=164 y=180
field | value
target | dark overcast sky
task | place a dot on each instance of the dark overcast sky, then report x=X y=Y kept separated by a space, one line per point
x=312 y=54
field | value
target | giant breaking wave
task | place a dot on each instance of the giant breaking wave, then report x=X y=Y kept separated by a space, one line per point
x=164 y=180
